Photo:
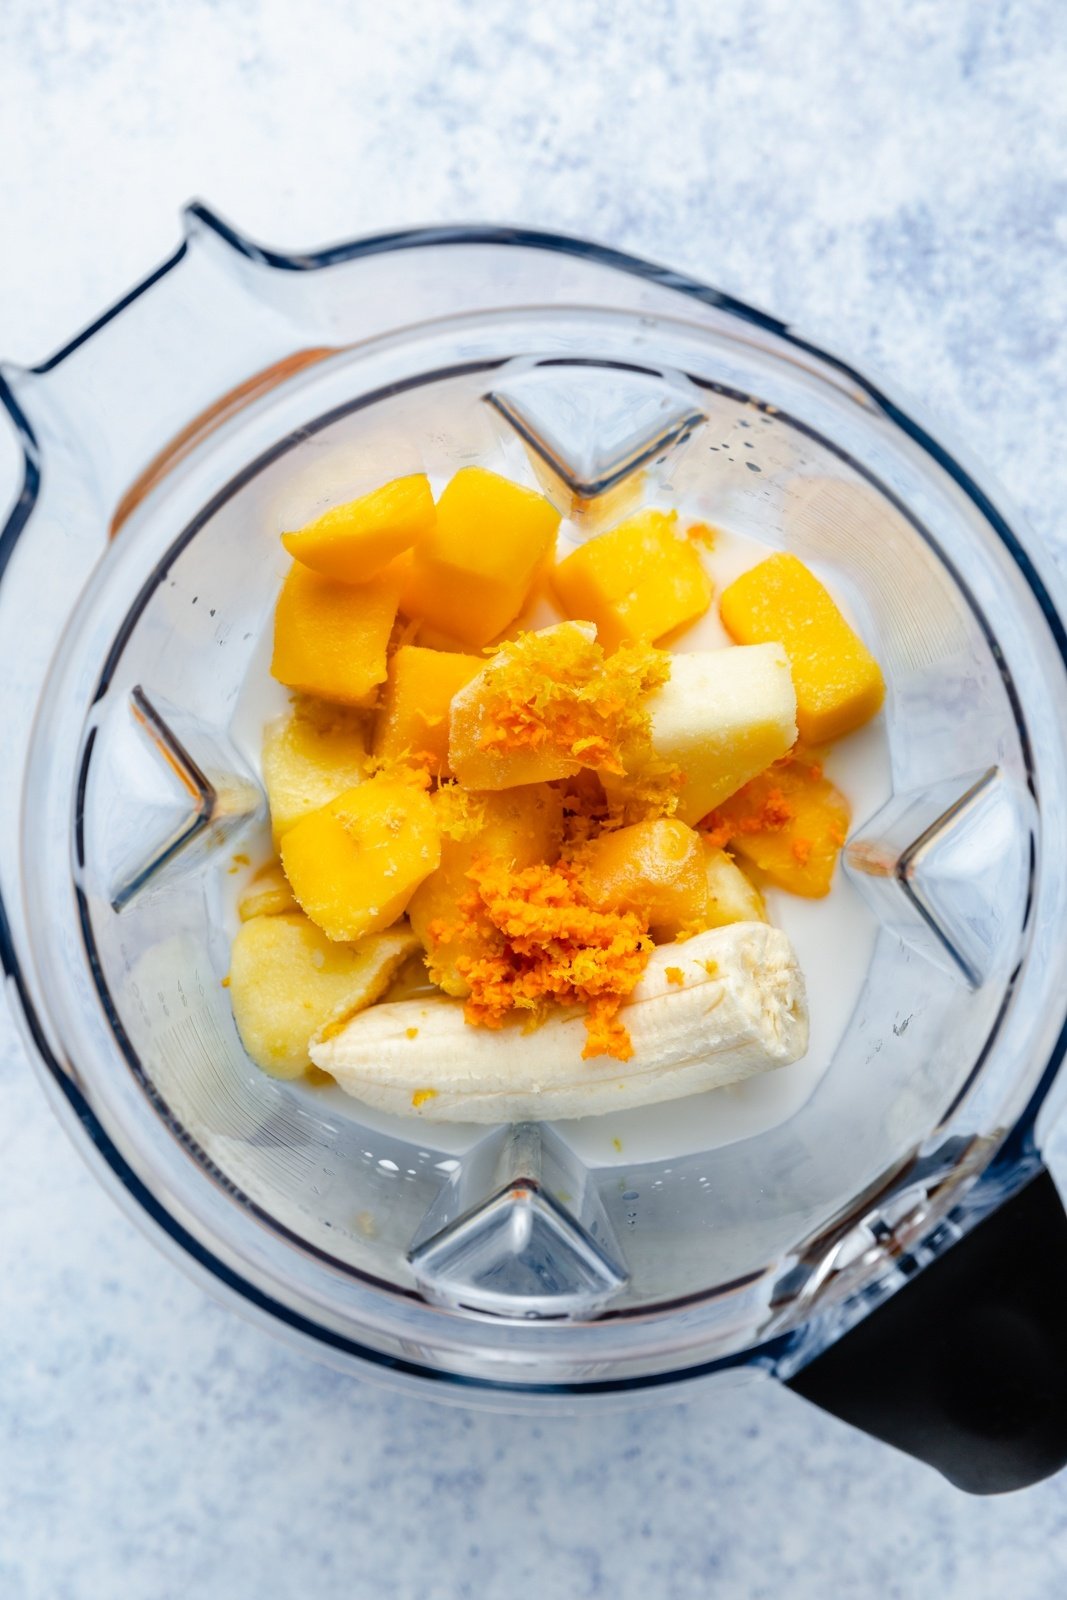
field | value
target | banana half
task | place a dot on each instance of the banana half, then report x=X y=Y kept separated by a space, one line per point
x=739 y=1009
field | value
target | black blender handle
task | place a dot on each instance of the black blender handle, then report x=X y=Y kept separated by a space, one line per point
x=965 y=1367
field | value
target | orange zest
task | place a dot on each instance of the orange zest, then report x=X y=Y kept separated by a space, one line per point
x=537 y=940
x=559 y=692
x=789 y=823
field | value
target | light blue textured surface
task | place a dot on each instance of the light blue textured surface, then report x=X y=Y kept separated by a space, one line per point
x=891 y=176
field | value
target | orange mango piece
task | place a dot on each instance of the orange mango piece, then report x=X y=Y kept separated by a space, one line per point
x=330 y=638
x=515 y=827
x=352 y=542
x=637 y=582
x=790 y=823
x=414 y=719
x=354 y=864
x=655 y=868
x=471 y=572
x=839 y=684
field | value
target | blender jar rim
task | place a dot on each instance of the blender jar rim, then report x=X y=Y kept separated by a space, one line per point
x=1015 y=1159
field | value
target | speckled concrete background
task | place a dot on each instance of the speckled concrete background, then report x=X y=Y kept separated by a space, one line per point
x=891 y=175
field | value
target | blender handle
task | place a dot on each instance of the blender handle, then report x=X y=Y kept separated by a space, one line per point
x=965 y=1367
x=204 y=334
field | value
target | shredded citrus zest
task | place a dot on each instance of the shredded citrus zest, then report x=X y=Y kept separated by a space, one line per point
x=536 y=940
x=587 y=811
x=556 y=690
x=792 y=794
x=414 y=767
x=460 y=814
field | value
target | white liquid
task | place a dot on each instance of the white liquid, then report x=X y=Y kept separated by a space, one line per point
x=833 y=938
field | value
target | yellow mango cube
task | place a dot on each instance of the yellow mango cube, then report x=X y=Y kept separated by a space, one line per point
x=309 y=758
x=516 y=827
x=790 y=823
x=655 y=868
x=352 y=542
x=288 y=980
x=838 y=682
x=414 y=718
x=637 y=582
x=354 y=864
x=471 y=572
x=330 y=638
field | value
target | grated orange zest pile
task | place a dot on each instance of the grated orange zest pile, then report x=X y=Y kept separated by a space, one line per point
x=539 y=940
x=756 y=809
x=558 y=691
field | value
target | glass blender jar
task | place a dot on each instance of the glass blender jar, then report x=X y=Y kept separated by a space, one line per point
x=887 y=1243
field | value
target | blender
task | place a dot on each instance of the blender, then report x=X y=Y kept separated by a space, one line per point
x=882 y=1237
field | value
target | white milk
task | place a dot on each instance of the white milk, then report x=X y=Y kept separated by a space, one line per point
x=833 y=938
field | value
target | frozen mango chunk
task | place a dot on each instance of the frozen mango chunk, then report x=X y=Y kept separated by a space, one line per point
x=309 y=758
x=721 y=718
x=330 y=638
x=471 y=572
x=505 y=720
x=790 y=823
x=415 y=714
x=731 y=896
x=288 y=980
x=354 y=864
x=517 y=828
x=354 y=541
x=655 y=868
x=267 y=895
x=550 y=703
x=838 y=682
x=637 y=582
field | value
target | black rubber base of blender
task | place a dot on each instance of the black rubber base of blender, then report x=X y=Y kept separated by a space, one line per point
x=966 y=1366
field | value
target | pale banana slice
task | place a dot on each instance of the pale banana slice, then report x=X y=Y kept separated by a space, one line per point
x=288 y=981
x=722 y=717
x=739 y=1009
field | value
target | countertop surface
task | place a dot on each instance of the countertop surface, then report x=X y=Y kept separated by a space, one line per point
x=889 y=175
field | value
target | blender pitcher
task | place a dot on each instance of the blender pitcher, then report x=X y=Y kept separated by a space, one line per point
x=881 y=1235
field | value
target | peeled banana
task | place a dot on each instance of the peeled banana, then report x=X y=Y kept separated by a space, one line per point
x=739 y=1009
x=722 y=717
